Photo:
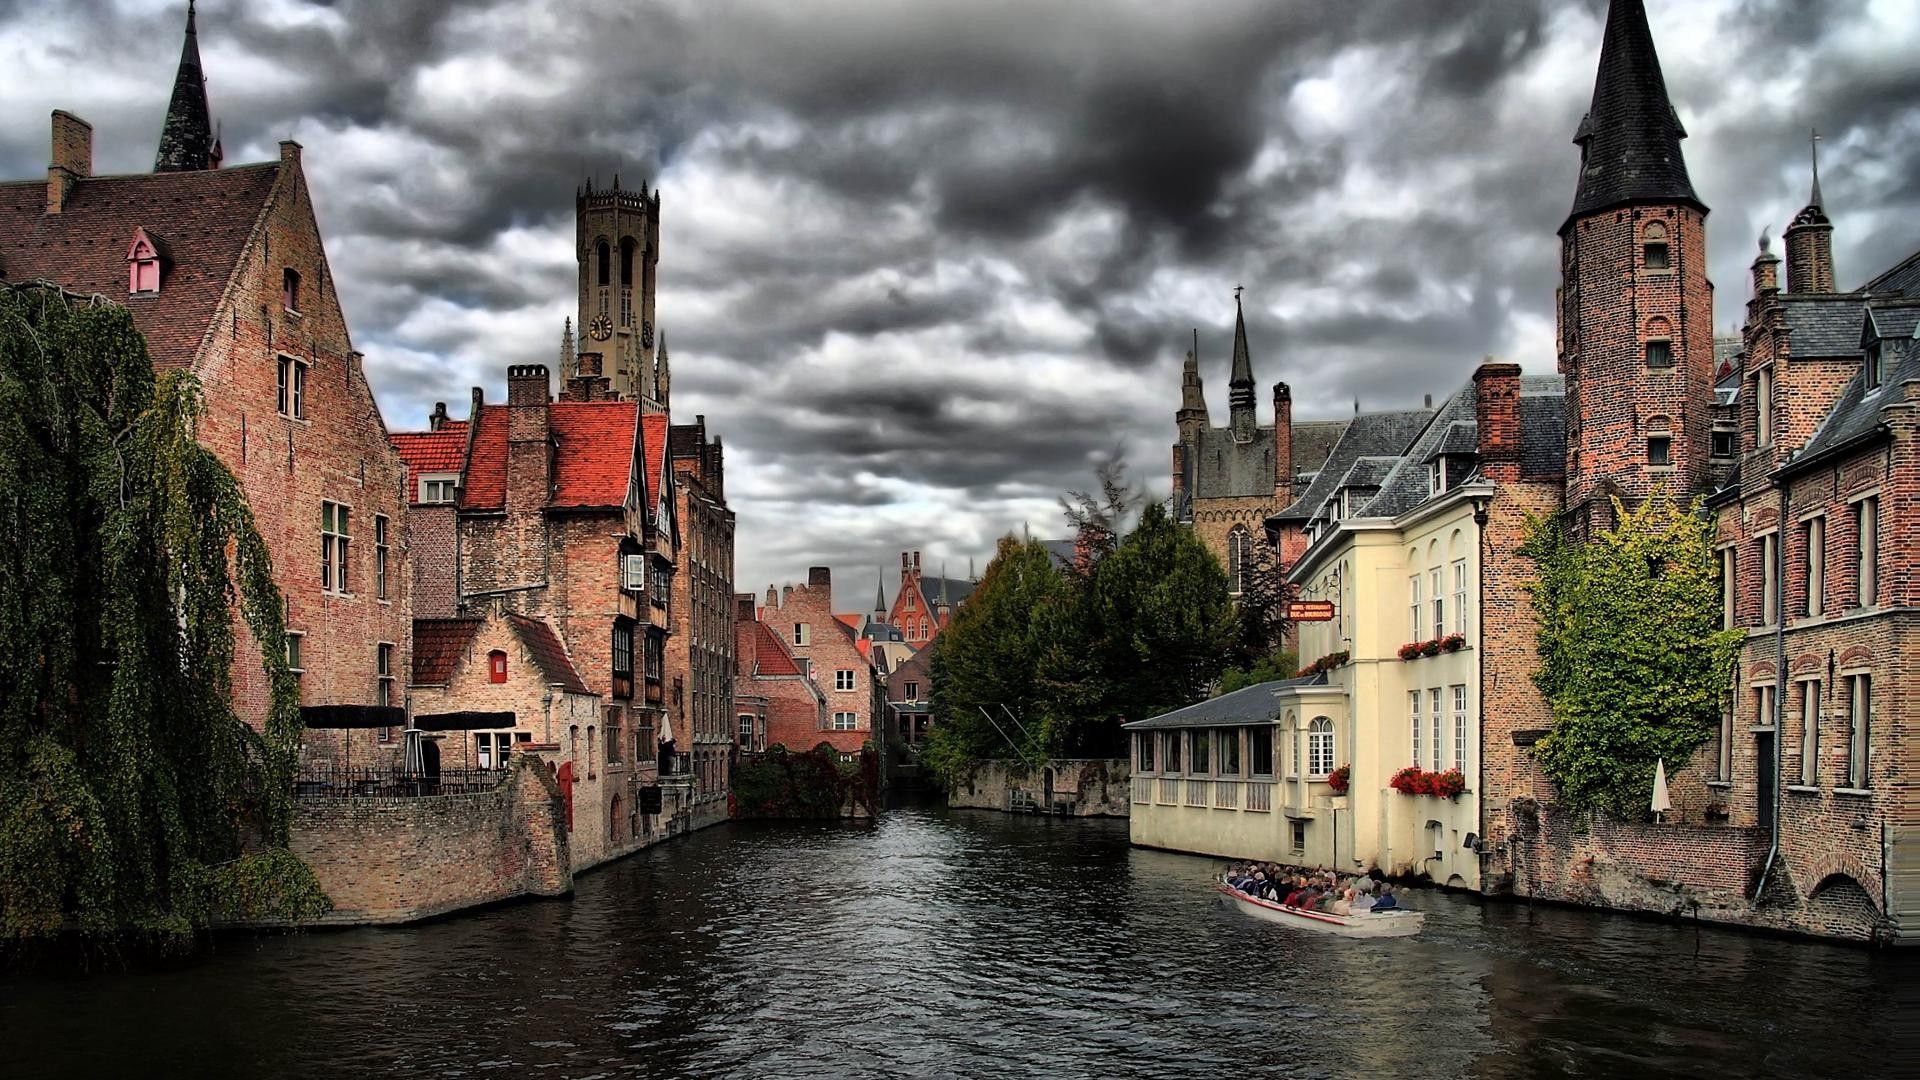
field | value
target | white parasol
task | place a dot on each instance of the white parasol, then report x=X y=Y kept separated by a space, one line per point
x=1661 y=803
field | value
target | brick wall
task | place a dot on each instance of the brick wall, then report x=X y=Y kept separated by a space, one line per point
x=1090 y=787
x=830 y=649
x=400 y=859
x=436 y=580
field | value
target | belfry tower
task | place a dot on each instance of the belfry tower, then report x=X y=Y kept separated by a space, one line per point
x=617 y=244
x=1635 y=307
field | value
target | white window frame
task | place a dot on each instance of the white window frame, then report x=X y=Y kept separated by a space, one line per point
x=1437 y=702
x=1320 y=748
x=1816 y=534
x=1414 y=611
x=1460 y=727
x=438 y=489
x=846 y=721
x=1436 y=579
x=1859 y=728
x=912 y=690
x=1460 y=596
x=633 y=574
x=1417 y=724
x=290 y=390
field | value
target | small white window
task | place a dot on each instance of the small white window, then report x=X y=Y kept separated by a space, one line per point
x=802 y=634
x=633 y=574
x=843 y=679
x=335 y=539
x=437 y=488
x=1413 y=608
x=1439 y=603
x=294 y=641
x=1859 y=721
x=1460 y=727
x=1460 y=596
x=1433 y=698
x=291 y=388
x=1866 y=531
x=1413 y=714
x=1320 y=747
x=846 y=721
x=1810 y=732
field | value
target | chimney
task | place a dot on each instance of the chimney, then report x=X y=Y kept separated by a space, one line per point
x=1427 y=403
x=529 y=439
x=906 y=564
x=72 y=159
x=820 y=580
x=1766 y=268
x=438 y=418
x=916 y=562
x=743 y=607
x=289 y=151
x=1282 y=442
x=1496 y=393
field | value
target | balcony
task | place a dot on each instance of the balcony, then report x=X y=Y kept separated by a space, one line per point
x=385 y=782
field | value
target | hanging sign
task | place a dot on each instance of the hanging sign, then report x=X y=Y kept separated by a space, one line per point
x=1310 y=610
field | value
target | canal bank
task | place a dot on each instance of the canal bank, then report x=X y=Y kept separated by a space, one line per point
x=959 y=943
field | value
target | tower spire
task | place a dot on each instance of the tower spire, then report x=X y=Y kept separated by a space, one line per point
x=1810 y=237
x=1630 y=138
x=662 y=376
x=1813 y=147
x=567 y=361
x=187 y=138
x=1240 y=384
x=880 y=596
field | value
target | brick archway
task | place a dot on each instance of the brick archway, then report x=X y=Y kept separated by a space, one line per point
x=1840 y=865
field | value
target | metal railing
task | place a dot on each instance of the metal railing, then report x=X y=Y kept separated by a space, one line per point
x=380 y=781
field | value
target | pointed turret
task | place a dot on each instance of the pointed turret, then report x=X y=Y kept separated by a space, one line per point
x=1240 y=385
x=567 y=361
x=1193 y=397
x=1630 y=138
x=880 y=597
x=187 y=140
x=662 y=376
x=1810 y=240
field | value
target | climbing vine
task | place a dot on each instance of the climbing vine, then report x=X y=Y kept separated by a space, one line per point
x=1632 y=657
x=129 y=789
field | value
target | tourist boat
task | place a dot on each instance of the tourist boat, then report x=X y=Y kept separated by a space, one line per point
x=1395 y=923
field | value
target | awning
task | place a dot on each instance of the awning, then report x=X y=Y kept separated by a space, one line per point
x=352 y=716
x=463 y=721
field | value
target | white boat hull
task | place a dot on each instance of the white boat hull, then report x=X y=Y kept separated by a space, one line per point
x=1384 y=924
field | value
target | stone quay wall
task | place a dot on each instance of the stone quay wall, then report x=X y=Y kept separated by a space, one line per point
x=1082 y=787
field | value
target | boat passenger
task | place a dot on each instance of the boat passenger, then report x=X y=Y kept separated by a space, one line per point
x=1387 y=901
x=1362 y=901
x=1344 y=905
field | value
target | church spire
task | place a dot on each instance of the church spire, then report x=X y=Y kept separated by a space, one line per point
x=187 y=140
x=662 y=376
x=567 y=361
x=1240 y=385
x=1630 y=138
x=1810 y=238
x=880 y=596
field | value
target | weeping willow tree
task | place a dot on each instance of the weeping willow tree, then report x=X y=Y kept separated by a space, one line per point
x=134 y=804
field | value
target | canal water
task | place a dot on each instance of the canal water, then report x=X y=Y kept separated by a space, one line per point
x=963 y=944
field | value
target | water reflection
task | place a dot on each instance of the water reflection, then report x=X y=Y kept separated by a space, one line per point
x=963 y=944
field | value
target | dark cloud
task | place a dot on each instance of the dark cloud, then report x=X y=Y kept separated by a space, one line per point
x=924 y=263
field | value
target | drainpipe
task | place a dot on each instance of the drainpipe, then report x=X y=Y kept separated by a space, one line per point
x=1480 y=685
x=1779 y=688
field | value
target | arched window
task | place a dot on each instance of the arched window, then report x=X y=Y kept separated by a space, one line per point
x=627 y=248
x=1655 y=250
x=605 y=255
x=1239 y=558
x=1320 y=747
x=497 y=666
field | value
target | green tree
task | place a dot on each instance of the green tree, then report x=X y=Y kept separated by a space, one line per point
x=1632 y=657
x=127 y=784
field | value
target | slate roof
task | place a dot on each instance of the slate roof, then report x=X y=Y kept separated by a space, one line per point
x=1250 y=706
x=1890 y=320
x=1823 y=325
x=207 y=218
x=1457 y=438
x=556 y=668
x=1857 y=412
x=1630 y=137
x=187 y=138
x=1902 y=280
x=1366 y=435
x=438 y=645
x=1543 y=427
x=592 y=459
x=1368 y=472
x=958 y=589
x=1408 y=486
x=442 y=451
x=653 y=442
x=1225 y=469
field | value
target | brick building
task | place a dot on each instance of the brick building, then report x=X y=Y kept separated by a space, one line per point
x=922 y=604
x=772 y=689
x=829 y=653
x=225 y=273
x=1228 y=480
x=699 y=656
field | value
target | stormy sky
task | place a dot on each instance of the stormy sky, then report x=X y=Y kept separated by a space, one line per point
x=925 y=263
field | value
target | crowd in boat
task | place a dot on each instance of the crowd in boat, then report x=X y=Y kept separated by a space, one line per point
x=1313 y=890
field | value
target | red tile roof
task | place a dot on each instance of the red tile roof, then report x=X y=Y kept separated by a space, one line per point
x=548 y=653
x=593 y=455
x=431 y=452
x=852 y=621
x=438 y=645
x=206 y=218
x=773 y=655
x=653 y=437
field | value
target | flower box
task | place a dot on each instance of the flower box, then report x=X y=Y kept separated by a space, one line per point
x=1338 y=779
x=1414 y=780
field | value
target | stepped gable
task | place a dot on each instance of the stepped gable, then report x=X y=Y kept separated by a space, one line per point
x=206 y=217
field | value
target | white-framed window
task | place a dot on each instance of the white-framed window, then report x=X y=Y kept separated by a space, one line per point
x=380 y=549
x=802 y=634
x=1293 y=738
x=1413 y=608
x=746 y=728
x=1816 y=565
x=1143 y=751
x=912 y=690
x=335 y=538
x=291 y=390
x=1460 y=726
x=1763 y=404
x=438 y=488
x=846 y=721
x=1810 y=732
x=1460 y=596
x=492 y=749
x=1298 y=835
x=383 y=674
x=1866 y=531
x=295 y=639
x=1859 y=726
x=1413 y=714
x=843 y=679
x=1769 y=585
x=1319 y=747
x=1437 y=579
x=1436 y=476
x=1439 y=723
x=1238 y=550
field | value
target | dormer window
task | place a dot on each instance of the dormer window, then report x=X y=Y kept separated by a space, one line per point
x=1654 y=253
x=144 y=256
x=290 y=290
x=1437 y=476
x=1876 y=354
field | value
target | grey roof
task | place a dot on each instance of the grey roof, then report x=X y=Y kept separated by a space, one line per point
x=1226 y=469
x=1313 y=442
x=1408 y=486
x=1858 y=411
x=1726 y=349
x=874 y=630
x=1367 y=435
x=1543 y=427
x=1459 y=437
x=1824 y=325
x=958 y=589
x=1250 y=706
x=187 y=138
x=1630 y=138
x=1895 y=320
x=1901 y=280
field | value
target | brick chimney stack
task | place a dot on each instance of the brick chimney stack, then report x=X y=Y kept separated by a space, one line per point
x=1282 y=442
x=1496 y=393
x=72 y=159
x=438 y=418
x=529 y=438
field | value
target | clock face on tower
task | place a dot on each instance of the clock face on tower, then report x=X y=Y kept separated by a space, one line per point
x=601 y=328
